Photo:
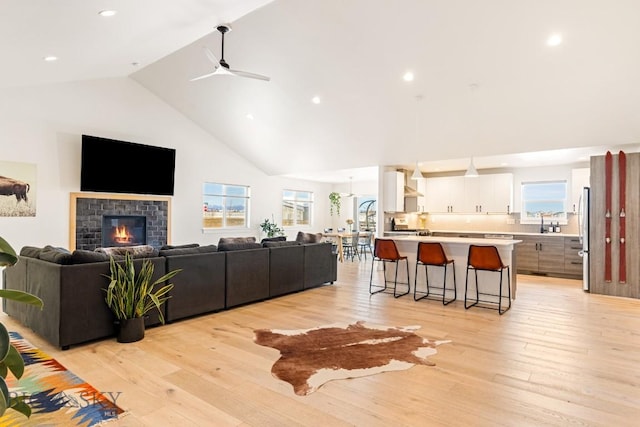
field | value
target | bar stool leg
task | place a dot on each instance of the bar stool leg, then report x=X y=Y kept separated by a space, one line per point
x=395 y=284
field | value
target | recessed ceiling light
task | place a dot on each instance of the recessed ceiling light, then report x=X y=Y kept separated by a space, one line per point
x=408 y=76
x=554 y=40
x=107 y=13
x=50 y=58
x=249 y=116
x=315 y=100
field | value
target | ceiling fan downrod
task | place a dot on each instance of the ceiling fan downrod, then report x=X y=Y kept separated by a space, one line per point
x=223 y=30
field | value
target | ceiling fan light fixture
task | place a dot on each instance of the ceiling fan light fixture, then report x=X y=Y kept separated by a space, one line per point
x=471 y=172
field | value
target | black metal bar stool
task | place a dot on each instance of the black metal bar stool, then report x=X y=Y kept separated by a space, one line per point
x=385 y=250
x=487 y=258
x=432 y=254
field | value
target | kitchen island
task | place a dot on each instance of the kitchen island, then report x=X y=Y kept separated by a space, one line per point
x=456 y=248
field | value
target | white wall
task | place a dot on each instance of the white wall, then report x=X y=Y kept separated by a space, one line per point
x=44 y=124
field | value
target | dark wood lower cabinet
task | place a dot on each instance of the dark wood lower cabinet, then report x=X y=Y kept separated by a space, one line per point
x=549 y=255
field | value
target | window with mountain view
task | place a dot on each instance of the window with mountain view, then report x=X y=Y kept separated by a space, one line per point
x=225 y=205
x=544 y=200
x=296 y=207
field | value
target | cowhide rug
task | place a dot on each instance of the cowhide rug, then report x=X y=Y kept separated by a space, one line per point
x=311 y=357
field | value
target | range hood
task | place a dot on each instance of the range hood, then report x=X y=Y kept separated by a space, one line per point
x=408 y=190
x=411 y=192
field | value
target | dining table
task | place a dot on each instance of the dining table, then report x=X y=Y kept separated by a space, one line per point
x=339 y=236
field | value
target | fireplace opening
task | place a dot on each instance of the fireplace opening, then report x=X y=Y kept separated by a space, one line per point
x=124 y=230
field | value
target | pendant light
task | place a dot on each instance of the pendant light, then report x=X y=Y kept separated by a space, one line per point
x=416 y=175
x=471 y=172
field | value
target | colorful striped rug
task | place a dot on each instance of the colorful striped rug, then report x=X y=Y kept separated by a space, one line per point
x=57 y=397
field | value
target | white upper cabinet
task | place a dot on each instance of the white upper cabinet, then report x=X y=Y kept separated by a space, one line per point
x=502 y=200
x=445 y=194
x=393 y=196
x=483 y=194
x=579 y=179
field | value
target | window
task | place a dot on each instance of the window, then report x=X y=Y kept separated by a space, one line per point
x=367 y=213
x=225 y=205
x=296 y=207
x=544 y=200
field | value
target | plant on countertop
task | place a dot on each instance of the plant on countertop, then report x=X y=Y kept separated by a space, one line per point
x=270 y=228
x=334 y=203
x=130 y=295
x=10 y=359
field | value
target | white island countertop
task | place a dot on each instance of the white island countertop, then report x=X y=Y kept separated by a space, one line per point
x=459 y=240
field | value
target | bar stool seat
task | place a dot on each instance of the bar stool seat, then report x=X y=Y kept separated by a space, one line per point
x=386 y=251
x=432 y=254
x=487 y=258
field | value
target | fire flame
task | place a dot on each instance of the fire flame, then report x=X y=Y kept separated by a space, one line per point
x=122 y=235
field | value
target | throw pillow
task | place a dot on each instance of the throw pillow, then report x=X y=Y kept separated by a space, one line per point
x=308 y=237
x=139 y=251
x=225 y=240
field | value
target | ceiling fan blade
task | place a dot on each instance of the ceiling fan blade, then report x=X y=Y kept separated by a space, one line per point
x=204 y=76
x=250 y=75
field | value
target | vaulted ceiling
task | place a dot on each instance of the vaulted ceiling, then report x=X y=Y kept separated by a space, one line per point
x=486 y=82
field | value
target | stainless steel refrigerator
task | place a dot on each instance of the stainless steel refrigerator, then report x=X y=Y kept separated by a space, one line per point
x=583 y=230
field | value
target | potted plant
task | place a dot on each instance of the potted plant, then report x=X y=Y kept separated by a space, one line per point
x=10 y=358
x=270 y=228
x=334 y=203
x=131 y=296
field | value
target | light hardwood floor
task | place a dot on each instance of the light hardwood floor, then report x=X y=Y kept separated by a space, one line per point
x=558 y=357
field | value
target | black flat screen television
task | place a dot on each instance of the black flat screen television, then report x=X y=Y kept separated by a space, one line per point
x=113 y=166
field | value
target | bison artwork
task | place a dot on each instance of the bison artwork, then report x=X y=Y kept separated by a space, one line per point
x=10 y=187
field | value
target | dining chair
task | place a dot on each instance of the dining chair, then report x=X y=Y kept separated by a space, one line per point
x=350 y=245
x=386 y=251
x=334 y=245
x=364 y=244
x=487 y=258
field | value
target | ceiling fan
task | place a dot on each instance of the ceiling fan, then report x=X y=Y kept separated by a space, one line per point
x=221 y=68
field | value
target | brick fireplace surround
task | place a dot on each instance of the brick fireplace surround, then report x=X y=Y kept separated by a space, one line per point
x=86 y=210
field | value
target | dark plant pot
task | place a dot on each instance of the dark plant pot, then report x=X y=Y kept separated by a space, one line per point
x=131 y=330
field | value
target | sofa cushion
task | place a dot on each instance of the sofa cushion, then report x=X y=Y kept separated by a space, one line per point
x=188 y=251
x=280 y=244
x=227 y=240
x=30 y=251
x=308 y=237
x=139 y=251
x=56 y=255
x=189 y=245
x=274 y=239
x=80 y=256
x=225 y=247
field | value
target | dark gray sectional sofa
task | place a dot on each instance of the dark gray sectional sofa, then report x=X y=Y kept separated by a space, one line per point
x=211 y=280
